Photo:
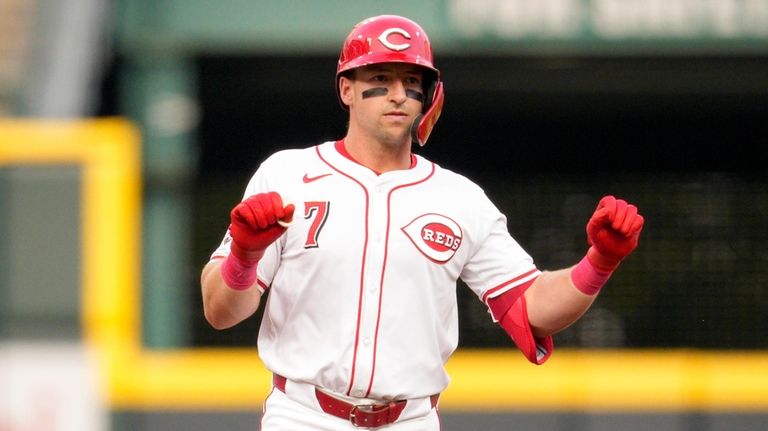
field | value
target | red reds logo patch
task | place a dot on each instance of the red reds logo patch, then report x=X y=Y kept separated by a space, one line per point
x=436 y=236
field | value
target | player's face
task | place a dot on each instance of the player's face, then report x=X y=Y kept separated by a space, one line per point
x=384 y=99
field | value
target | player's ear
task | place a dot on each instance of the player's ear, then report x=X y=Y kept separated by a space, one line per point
x=346 y=93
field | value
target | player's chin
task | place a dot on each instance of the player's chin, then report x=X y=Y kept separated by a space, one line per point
x=394 y=137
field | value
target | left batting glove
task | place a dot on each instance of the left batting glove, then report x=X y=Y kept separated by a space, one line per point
x=613 y=232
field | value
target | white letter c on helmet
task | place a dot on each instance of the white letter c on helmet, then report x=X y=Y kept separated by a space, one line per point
x=384 y=36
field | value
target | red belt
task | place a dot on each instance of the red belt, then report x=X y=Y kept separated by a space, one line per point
x=361 y=415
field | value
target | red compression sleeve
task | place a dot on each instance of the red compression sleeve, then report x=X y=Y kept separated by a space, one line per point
x=588 y=278
x=510 y=310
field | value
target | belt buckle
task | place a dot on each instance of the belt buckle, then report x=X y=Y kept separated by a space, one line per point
x=368 y=408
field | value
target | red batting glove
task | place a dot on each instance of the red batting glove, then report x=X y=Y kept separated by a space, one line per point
x=613 y=232
x=254 y=224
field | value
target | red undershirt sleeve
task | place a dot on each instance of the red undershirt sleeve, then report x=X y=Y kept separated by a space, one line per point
x=510 y=310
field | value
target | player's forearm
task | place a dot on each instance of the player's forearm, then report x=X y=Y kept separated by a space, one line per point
x=554 y=303
x=223 y=306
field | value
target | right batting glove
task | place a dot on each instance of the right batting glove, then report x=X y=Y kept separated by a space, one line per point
x=255 y=224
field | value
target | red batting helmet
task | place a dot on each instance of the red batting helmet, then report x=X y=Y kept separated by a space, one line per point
x=395 y=39
x=384 y=39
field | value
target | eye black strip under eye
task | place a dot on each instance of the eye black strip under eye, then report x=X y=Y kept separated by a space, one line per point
x=382 y=91
x=374 y=92
x=413 y=94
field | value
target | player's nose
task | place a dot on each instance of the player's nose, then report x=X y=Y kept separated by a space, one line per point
x=397 y=92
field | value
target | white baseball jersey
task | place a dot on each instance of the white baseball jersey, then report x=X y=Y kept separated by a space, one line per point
x=362 y=286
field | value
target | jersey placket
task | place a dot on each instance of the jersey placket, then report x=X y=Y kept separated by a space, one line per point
x=371 y=291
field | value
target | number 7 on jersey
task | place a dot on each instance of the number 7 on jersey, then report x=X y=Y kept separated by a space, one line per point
x=317 y=212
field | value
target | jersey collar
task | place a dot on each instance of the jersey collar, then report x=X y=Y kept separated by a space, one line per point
x=342 y=149
x=336 y=157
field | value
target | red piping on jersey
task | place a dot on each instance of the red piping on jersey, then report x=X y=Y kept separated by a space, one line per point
x=262 y=284
x=362 y=269
x=340 y=147
x=383 y=270
x=515 y=280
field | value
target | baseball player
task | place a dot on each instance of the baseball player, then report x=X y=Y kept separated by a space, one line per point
x=360 y=243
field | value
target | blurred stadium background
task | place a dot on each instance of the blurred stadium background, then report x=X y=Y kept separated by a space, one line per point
x=129 y=127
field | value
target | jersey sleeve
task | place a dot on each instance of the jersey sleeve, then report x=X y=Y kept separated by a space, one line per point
x=498 y=263
x=498 y=272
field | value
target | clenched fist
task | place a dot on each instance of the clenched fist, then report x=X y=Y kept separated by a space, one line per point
x=613 y=232
x=254 y=224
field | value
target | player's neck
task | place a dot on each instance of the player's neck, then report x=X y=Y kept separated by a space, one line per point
x=376 y=156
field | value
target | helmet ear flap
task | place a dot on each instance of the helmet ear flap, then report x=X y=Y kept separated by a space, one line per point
x=433 y=106
x=429 y=97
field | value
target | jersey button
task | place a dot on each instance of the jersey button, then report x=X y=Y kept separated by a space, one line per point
x=367 y=341
x=358 y=394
